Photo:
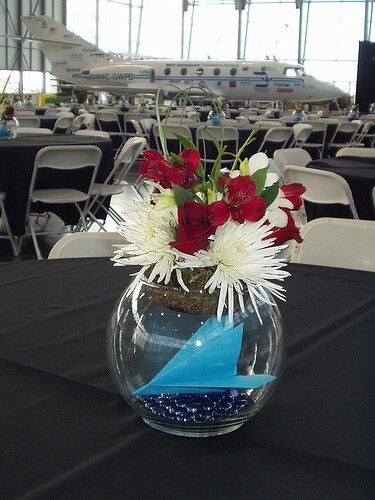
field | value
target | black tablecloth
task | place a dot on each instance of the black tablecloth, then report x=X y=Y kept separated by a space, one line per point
x=66 y=433
x=359 y=172
x=16 y=166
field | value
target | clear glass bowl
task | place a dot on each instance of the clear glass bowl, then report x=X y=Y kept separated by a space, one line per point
x=165 y=347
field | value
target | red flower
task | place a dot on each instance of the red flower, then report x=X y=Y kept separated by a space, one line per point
x=293 y=192
x=157 y=168
x=289 y=232
x=244 y=204
x=186 y=171
x=196 y=222
x=223 y=180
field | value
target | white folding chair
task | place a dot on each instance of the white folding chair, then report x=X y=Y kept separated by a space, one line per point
x=77 y=124
x=147 y=125
x=115 y=182
x=322 y=187
x=335 y=242
x=23 y=112
x=60 y=158
x=63 y=123
x=344 y=136
x=78 y=245
x=367 y=134
x=317 y=138
x=89 y=121
x=108 y=121
x=25 y=131
x=276 y=136
x=356 y=152
x=291 y=156
x=9 y=235
x=28 y=121
x=52 y=112
x=269 y=123
x=242 y=121
x=93 y=133
x=132 y=125
x=225 y=136
x=301 y=132
x=170 y=131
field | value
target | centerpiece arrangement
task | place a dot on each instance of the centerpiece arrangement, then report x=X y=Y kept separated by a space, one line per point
x=195 y=343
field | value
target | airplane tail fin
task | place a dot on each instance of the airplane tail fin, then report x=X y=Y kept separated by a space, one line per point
x=67 y=52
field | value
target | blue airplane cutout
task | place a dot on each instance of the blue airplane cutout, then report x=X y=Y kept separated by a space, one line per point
x=206 y=363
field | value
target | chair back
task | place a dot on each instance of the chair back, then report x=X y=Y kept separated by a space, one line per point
x=356 y=152
x=242 y=121
x=108 y=121
x=321 y=186
x=89 y=120
x=276 y=136
x=23 y=112
x=62 y=124
x=170 y=131
x=205 y=142
x=291 y=156
x=301 y=132
x=147 y=124
x=52 y=112
x=79 y=244
x=338 y=242
x=93 y=133
x=25 y=131
x=28 y=121
x=345 y=133
x=126 y=158
x=132 y=115
x=269 y=123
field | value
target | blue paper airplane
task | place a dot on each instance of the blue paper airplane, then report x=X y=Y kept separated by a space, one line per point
x=206 y=363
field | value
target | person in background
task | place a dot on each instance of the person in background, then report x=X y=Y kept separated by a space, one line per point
x=372 y=108
x=27 y=103
x=299 y=115
x=9 y=123
x=216 y=115
x=123 y=103
x=354 y=112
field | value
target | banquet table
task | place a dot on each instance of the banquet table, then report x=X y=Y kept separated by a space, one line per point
x=16 y=166
x=67 y=434
x=359 y=172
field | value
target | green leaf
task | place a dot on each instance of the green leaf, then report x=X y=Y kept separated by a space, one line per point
x=176 y=158
x=259 y=177
x=244 y=167
x=214 y=139
x=185 y=141
x=270 y=193
x=215 y=172
x=201 y=171
x=182 y=195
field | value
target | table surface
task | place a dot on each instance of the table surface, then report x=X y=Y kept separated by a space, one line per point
x=16 y=166
x=66 y=433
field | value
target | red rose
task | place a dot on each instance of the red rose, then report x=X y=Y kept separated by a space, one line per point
x=196 y=222
x=289 y=232
x=244 y=204
x=293 y=192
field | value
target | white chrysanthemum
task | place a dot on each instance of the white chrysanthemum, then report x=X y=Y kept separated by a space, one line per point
x=149 y=233
x=244 y=261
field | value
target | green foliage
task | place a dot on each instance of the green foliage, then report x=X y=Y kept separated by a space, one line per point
x=259 y=177
x=270 y=193
x=182 y=195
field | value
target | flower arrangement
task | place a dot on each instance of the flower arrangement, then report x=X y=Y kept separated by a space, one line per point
x=220 y=231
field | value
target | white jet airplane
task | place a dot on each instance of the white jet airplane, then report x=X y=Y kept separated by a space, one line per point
x=80 y=63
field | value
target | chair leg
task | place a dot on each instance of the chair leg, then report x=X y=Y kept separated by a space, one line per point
x=7 y=228
x=35 y=242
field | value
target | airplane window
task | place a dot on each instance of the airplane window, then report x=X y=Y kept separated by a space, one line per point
x=233 y=71
x=183 y=71
x=245 y=68
x=167 y=71
x=290 y=71
x=200 y=71
x=300 y=72
x=217 y=71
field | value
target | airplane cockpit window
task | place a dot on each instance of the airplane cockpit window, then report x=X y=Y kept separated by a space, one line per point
x=233 y=71
x=167 y=71
x=183 y=71
x=217 y=71
x=290 y=72
x=200 y=71
x=300 y=72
